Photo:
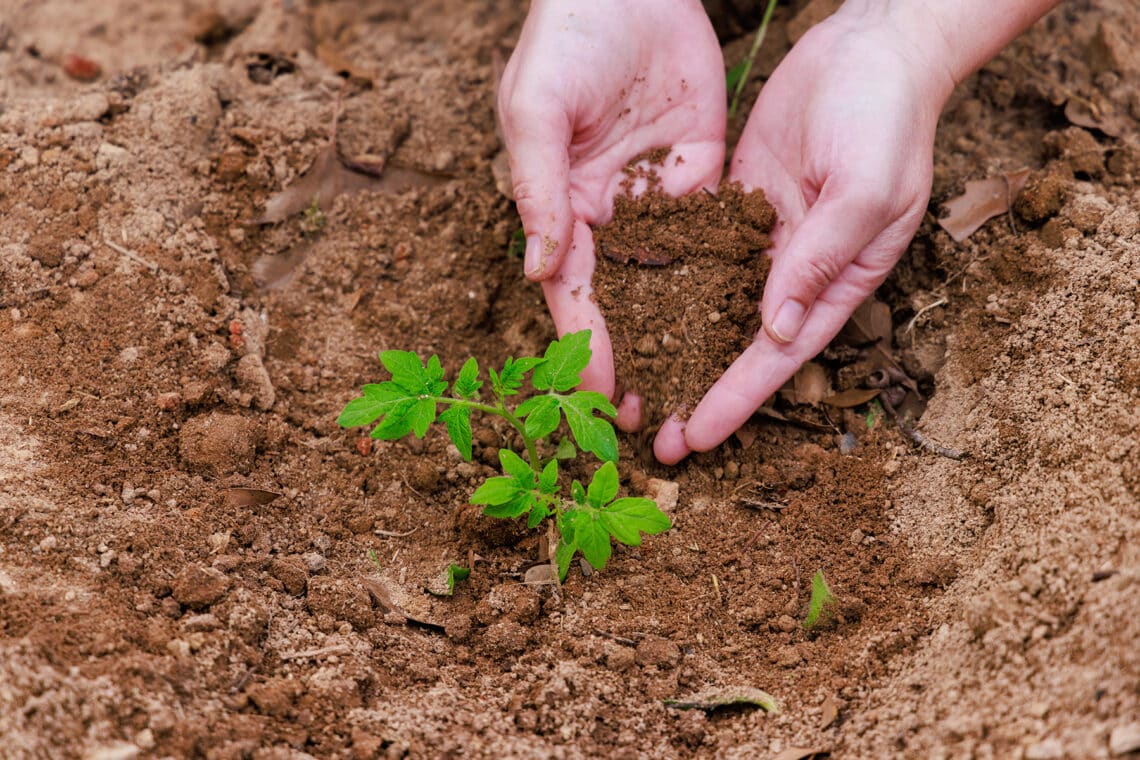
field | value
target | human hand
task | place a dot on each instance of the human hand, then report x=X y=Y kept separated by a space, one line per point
x=589 y=87
x=841 y=141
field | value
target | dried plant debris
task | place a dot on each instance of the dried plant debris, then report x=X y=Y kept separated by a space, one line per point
x=983 y=200
x=714 y=699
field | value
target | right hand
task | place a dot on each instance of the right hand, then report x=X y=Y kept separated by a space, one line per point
x=588 y=88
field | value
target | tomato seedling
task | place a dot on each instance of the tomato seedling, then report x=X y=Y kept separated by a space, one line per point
x=589 y=516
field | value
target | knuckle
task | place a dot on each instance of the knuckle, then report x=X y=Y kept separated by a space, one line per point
x=821 y=270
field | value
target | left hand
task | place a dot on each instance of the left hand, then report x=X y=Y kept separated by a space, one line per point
x=841 y=140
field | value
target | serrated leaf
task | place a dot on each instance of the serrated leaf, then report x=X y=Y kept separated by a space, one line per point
x=400 y=419
x=495 y=491
x=522 y=503
x=604 y=486
x=538 y=513
x=566 y=449
x=542 y=418
x=593 y=540
x=626 y=519
x=591 y=433
x=577 y=492
x=548 y=480
x=516 y=466
x=467 y=384
x=458 y=421
x=563 y=555
x=563 y=362
x=513 y=374
x=402 y=364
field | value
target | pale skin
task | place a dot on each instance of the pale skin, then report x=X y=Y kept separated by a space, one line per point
x=840 y=139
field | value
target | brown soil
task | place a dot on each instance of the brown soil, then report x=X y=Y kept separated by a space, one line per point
x=678 y=280
x=185 y=532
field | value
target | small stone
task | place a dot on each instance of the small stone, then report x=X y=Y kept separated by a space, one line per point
x=128 y=494
x=129 y=355
x=848 y=443
x=253 y=379
x=292 y=572
x=659 y=652
x=1050 y=749
x=47 y=543
x=145 y=739
x=714 y=317
x=670 y=343
x=665 y=492
x=116 y=751
x=198 y=587
x=785 y=623
x=856 y=536
x=1124 y=739
x=788 y=658
x=314 y=562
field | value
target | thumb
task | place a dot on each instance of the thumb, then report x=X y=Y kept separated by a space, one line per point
x=537 y=139
x=824 y=244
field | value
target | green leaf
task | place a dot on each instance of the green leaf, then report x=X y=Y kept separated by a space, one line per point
x=495 y=491
x=734 y=74
x=548 y=480
x=591 y=433
x=376 y=401
x=452 y=575
x=410 y=375
x=604 y=487
x=542 y=417
x=822 y=602
x=563 y=362
x=626 y=519
x=566 y=449
x=563 y=555
x=577 y=492
x=406 y=416
x=458 y=421
x=516 y=466
x=538 y=513
x=522 y=503
x=467 y=384
x=593 y=540
x=508 y=382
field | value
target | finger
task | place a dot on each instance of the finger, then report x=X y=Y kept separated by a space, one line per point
x=767 y=364
x=537 y=136
x=670 y=446
x=827 y=240
x=630 y=416
x=569 y=296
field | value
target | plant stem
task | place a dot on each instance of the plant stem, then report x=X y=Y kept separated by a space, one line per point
x=756 y=43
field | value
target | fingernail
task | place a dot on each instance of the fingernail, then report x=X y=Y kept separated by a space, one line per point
x=532 y=262
x=789 y=319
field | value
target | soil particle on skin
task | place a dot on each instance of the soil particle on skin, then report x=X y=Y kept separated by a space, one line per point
x=679 y=280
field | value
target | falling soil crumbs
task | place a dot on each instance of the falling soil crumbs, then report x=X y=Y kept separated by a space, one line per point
x=678 y=281
x=196 y=562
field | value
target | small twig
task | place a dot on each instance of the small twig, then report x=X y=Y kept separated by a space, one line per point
x=921 y=440
x=393 y=534
x=242 y=680
x=918 y=315
x=618 y=639
x=323 y=652
x=131 y=255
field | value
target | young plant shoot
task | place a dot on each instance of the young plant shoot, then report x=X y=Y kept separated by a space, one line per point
x=589 y=516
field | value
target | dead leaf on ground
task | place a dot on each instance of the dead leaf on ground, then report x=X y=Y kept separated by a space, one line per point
x=239 y=498
x=731 y=696
x=329 y=55
x=851 y=398
x=1081 y=113
x=799 y=753
x=829 y=712
x=869 y=323
x=809 y=385
x=983 y=200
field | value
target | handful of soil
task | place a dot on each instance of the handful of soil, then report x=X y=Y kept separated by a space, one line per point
x=679 y=282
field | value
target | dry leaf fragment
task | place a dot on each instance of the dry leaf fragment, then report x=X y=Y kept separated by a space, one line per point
x=1081 y=113
x=851 y=398
x=870 y=323
x=983 y=200
x=829 y=712
x=731 y=696
x=238 y=497
x=809 y=385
